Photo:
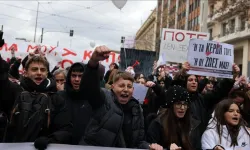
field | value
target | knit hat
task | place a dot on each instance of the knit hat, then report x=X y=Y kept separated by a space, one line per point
x=175 y=94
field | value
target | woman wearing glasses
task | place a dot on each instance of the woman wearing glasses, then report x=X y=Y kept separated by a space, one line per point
x=171 y=129
x=202 y=106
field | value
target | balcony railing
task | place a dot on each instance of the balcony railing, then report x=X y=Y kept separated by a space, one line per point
x=220 y=14
x=233 y=34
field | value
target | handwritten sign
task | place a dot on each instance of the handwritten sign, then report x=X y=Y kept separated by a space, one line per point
x=64 y=56
x=174 y=43
x=140 y=92
x=209 y=58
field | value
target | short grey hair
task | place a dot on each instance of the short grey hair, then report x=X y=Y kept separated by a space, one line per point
x=58 y=71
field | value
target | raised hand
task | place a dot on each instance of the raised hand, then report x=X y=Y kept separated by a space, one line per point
x=236 y=68
x=186 y=66
x=150 y=84
x=100 y=53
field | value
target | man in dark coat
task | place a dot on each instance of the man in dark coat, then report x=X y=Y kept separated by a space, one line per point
x=9 y=91
x=35 y=80
x=79 y=107
x=117 y=117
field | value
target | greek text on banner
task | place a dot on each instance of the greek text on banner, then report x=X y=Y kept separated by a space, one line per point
x=174 y=43
x=210 y=58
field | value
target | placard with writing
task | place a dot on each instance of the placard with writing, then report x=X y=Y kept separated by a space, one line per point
x=210 y=58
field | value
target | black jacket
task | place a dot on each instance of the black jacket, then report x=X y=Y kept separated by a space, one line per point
x=202 y=106
x=60 y=126
x=106 y=126
x=155 y=133
x=79 y=108
x=8 y=93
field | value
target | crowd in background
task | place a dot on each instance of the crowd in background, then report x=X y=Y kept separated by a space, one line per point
x=83 y=105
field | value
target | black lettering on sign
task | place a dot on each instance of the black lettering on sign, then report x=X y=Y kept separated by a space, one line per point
x=195 y=61
x=211 y=62
x=227 y=51
x=218 y=49
x=224 y=65
x=201 y=62
x=201 y=48
x=214 y=48
x=195 y=47
x=208 y=48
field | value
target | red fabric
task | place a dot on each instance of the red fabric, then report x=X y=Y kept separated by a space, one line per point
x=145 y=101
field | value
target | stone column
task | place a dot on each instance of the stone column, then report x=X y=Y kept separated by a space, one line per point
x=245 y=58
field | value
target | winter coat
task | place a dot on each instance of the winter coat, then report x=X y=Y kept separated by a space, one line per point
x=210 y=138
x=106 y=125
x=8 y=93
x=79 y=108
x=155 y=133
x=60 y=126
x=202 y=106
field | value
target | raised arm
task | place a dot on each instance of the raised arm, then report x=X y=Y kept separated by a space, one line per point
x=221 y=90
x=90 y=83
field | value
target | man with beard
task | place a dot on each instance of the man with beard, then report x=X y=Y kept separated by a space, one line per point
x=79 y=107
x=39 y=114
x=117 y=117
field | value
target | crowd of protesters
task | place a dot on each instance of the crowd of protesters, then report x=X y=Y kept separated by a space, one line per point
x=81 y=105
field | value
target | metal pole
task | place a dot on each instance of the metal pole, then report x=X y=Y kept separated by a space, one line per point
x=2 y=28
x=42 y=36
x=36 y=21
x=57 y=43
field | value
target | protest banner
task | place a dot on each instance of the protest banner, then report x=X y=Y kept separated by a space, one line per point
x=146 y=59
x=55 y=55
x=210 y=58
x=174 y=43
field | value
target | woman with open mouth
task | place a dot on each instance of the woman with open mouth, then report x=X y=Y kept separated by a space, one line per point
x=171 y=129
x=227 y=130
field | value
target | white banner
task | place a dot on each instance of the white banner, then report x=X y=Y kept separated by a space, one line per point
x=174 y=43
x=64 y=56
x=209 y=58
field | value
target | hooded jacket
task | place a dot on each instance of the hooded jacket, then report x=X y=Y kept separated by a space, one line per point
x=79 y=108
x=210 y=138
x=60 y=123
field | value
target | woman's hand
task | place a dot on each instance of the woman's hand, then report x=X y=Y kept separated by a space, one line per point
x=186 y=66
x=173 y=146
x=155 y=147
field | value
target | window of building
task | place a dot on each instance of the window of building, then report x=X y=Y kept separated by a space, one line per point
x=210 y=34
x=232 y=26
x=242 y=24
x=224 y=29
x=183 y=14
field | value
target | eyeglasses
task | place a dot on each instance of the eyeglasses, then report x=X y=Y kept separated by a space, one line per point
x=179 y=105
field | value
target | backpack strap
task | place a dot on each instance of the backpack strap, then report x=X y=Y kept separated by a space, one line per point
x=48 y=109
